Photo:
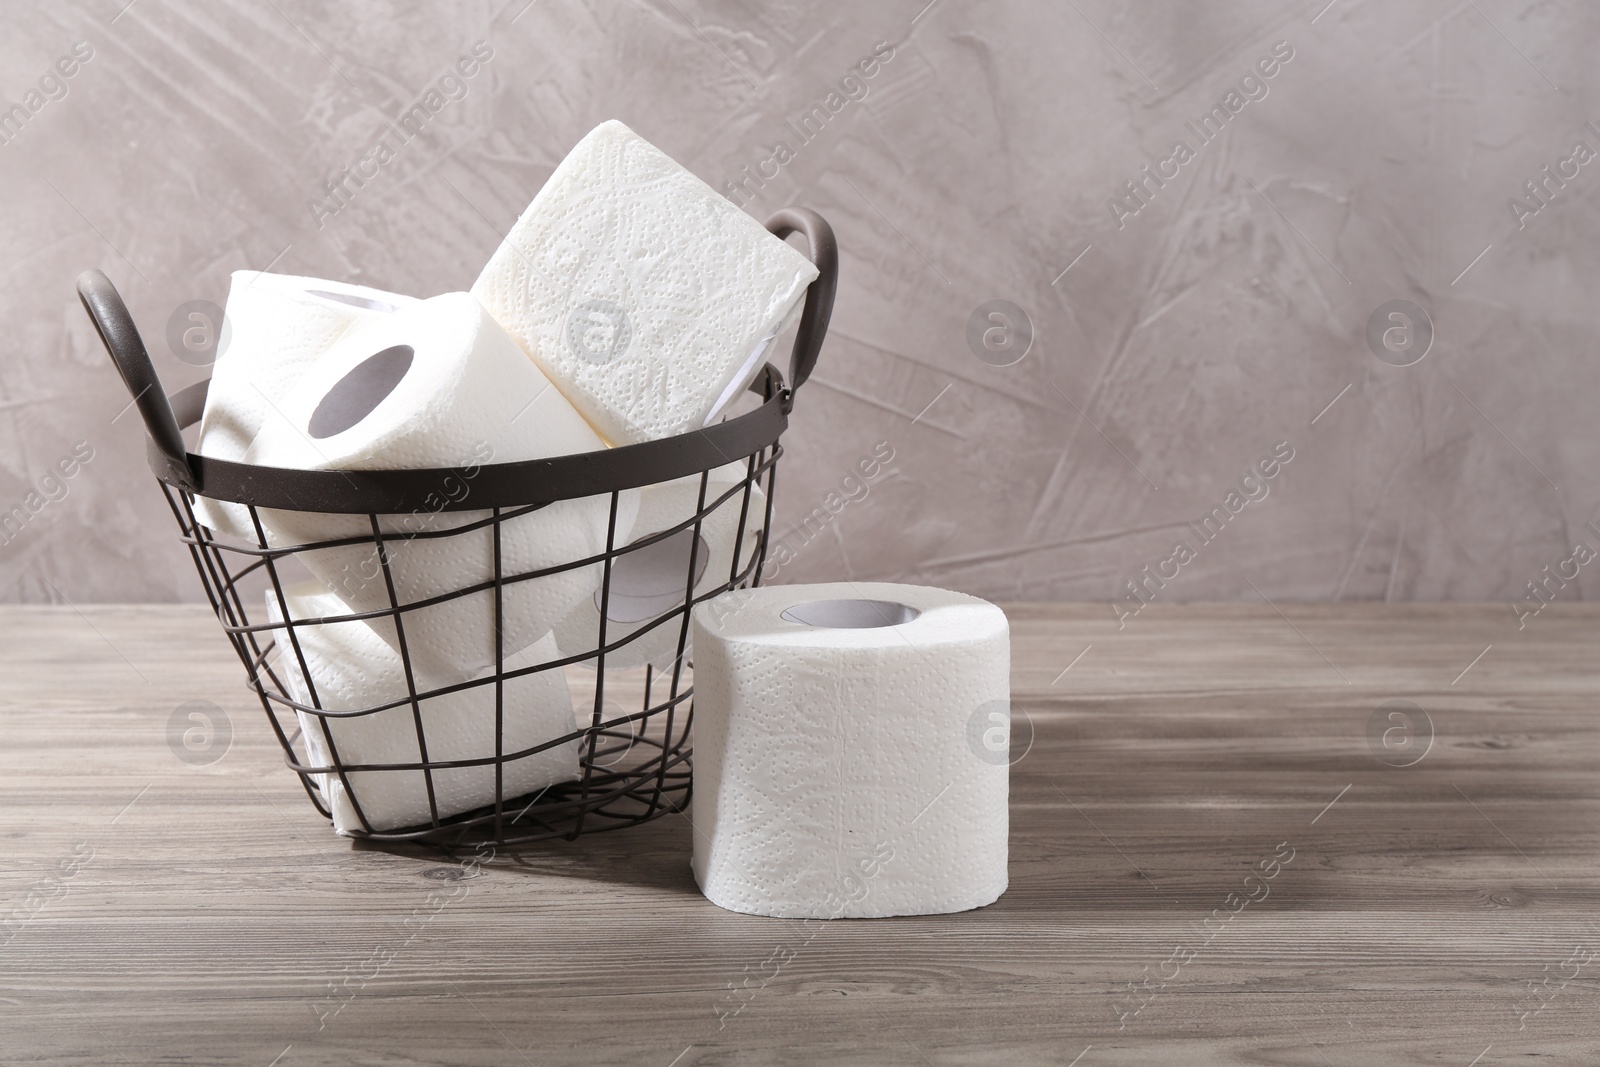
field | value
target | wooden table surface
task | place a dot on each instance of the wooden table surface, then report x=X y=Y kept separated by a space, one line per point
x=1446 y=912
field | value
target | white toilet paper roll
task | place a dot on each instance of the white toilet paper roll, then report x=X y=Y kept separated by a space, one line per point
x=275 y=327
x=643 y=293
x=440 y=384
x=649 y=582
x=841 y=763
x=352 y=668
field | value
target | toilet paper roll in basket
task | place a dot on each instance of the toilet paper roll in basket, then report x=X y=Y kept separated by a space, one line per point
x=275 y=327
x=353 y=668
x=648 y=582
x=644 y=294
x=840 y=768
x=440 y=384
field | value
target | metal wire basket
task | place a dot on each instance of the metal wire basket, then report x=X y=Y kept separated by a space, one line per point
x=632 y=765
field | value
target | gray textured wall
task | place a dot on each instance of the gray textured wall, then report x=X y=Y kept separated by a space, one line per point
x=1186 y=340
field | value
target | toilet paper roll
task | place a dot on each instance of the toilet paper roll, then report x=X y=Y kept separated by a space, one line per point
x=648 y=582
x=275 y=327
x=841 y=763
x=440 y=384
x=645 y=295
x=353 y=668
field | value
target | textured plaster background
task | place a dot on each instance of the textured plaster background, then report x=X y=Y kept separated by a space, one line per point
x=1178 y=349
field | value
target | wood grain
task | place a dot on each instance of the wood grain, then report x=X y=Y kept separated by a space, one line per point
x=157 y=912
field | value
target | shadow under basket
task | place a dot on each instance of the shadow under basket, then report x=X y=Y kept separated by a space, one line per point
x=452 y=760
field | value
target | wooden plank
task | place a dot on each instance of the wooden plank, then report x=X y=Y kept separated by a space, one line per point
x=153 y=911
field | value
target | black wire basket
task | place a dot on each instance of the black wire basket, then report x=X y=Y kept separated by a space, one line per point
x=631 y=766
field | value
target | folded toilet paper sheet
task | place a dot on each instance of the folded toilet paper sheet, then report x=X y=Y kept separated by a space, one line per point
x=646 y=296
x=274 y=328
x=352 y=668
x=842 y=764
x=440 y=384
x=648 y=582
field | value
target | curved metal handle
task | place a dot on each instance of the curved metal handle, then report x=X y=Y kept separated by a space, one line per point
x=819 y=298
x=121 y=338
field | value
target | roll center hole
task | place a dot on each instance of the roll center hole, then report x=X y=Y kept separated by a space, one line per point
x=353 y=397
x=649 y=581
x=850 y=614
x=353 y=300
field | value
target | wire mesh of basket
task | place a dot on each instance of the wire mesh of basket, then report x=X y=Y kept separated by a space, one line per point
x=448 y=744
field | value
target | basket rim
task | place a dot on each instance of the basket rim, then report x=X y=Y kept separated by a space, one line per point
x=492 y=485
x=531 y=482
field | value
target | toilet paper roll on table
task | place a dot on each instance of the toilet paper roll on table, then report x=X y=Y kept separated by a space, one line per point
x=274 y=329
x=646 y=295
x=841 y=767
x=648 y=582
x=353 y=668
x=440 y=384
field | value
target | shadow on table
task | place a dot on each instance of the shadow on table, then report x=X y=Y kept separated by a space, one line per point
x=652 y=855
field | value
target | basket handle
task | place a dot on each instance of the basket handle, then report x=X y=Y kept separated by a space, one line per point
x=121 y=338
x=819 y=298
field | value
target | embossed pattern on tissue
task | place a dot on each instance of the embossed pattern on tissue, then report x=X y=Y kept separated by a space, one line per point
x=621 y=225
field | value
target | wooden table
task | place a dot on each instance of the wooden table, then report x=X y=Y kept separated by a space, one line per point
x=153 y=911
